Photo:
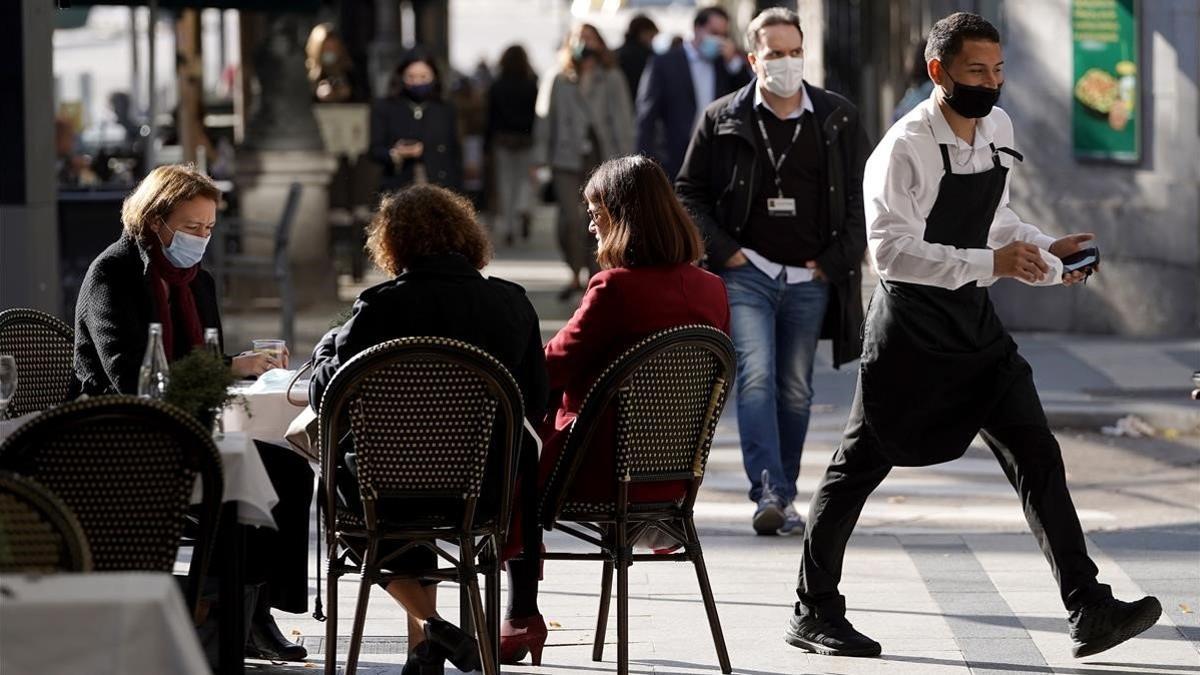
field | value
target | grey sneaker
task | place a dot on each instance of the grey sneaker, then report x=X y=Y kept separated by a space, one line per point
x=768 y=517
x=793 y=522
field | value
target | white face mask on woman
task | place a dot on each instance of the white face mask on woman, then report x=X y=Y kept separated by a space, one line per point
x=185 y=250
x=782 y=76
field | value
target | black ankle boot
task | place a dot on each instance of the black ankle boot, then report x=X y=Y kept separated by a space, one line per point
x=826 y=631
x=424 y=660
x=1107 y=623
x=455 y=644
x=266 y=641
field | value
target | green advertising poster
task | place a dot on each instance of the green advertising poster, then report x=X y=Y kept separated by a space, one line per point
x=1105 y=108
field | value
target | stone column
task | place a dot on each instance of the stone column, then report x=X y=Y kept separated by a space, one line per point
x=283 y=145
x=29 y=256
x=385 y=50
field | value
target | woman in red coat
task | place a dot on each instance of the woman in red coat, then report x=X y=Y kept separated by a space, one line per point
x=647 y=247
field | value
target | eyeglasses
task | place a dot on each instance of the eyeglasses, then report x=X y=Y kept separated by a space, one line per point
x=593 y=215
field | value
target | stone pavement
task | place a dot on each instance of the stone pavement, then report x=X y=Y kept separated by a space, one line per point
x=942 y=569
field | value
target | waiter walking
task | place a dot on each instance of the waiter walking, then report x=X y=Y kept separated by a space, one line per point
x=940 y=231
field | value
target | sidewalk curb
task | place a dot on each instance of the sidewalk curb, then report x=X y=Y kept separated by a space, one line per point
x=1183 y=416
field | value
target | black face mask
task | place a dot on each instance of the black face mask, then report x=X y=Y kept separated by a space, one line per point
x=972 y=101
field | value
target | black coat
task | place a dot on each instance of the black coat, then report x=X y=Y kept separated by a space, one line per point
x=632 y=57
x=394 y=118
x=722 y=172
x=443 y=296
x=666 y=105
x=114 y=310
x=511 y=104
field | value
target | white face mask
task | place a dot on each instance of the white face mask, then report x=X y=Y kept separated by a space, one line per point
x=783 y=76
x=185 y=249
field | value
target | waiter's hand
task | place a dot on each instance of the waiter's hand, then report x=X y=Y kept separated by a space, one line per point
x=737 y=259
x=1069 y=244
x=1019 y=260
x=816 y=270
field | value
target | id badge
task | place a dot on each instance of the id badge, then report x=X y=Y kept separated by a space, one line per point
x=781 y=206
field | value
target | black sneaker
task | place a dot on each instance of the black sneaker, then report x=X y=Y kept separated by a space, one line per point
x=1105 y=624
x=768 y=517
x=828 y=633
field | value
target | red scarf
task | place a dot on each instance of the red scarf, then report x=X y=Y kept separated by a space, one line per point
x=177 y=292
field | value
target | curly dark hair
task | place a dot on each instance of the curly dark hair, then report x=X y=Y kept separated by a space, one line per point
x=946 y=37
x=425 y=220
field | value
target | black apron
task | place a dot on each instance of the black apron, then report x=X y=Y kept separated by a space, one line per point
x=935 y=361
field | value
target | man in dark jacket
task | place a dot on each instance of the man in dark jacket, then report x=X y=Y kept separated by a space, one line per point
x=773 y=178
x=679 y=84
x=637 y=50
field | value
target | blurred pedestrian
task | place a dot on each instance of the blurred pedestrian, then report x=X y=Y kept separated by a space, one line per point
x=919 y=84
x=585 y=117
x=335 y=81
x=637 y=50
x=774 y=179
x=414 y=133
x=512 y=102
x=678 y=85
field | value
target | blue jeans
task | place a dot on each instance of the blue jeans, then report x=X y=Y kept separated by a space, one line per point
x=775 y=329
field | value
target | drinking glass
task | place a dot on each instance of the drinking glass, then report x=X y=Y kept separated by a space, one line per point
x=273 y=348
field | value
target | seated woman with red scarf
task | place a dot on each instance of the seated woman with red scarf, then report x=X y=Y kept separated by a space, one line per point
x=152 y=274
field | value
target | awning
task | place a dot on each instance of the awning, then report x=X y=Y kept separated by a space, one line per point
x=248 y=5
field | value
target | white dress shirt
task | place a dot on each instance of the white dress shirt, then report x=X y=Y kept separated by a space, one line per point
x=704 y=77
x=795 y=275
x=900 y=185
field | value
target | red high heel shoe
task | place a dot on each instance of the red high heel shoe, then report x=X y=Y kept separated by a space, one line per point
x=519 y=637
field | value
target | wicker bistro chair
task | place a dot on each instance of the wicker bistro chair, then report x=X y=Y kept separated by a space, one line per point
x=38 y=533
x=668 y=390
x=44 y=349
x=423 y=413
x=127 y=467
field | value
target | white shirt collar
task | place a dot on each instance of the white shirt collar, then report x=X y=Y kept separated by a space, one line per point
x=805 y=103
x=693 y=54
x=985 y=128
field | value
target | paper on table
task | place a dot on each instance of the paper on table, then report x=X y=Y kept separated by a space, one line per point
x=274 y=380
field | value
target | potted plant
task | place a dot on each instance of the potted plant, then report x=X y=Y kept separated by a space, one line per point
x=199 y=386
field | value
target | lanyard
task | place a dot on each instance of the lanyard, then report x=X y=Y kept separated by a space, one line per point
x=778 y=163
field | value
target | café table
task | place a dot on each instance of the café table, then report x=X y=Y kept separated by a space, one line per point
x=249 y=487
x=97 y=623
x=266 y=408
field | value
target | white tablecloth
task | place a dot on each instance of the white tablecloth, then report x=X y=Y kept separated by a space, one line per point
x=246 y=481
x=123 y=623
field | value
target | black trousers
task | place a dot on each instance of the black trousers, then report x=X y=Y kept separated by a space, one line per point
x=279 y=558
x=1020 y=438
